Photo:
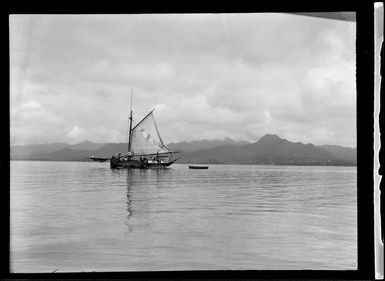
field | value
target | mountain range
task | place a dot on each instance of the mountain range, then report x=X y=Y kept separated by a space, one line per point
x=270 y=149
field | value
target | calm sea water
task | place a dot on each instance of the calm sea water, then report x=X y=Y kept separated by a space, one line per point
x=81 y=216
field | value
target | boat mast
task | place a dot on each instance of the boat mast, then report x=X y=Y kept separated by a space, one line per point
x=129 y=132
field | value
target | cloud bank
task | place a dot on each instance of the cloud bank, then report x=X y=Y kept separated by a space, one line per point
x=209 y=76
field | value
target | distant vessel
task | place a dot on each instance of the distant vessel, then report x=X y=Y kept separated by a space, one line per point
x=198 y=167
x=145 y=147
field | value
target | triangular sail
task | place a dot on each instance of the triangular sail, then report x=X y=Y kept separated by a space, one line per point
x=145 y=138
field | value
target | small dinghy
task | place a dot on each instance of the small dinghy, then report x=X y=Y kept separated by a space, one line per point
x=198 y=167
x=99 y=159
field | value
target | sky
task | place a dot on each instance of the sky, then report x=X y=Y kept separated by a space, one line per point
x=209 y=76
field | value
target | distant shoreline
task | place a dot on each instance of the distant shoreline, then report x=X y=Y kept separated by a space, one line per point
x=254 y=164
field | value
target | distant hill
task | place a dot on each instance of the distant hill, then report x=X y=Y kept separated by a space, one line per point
x=87 y=145
x=65 y=154
x=347 y=153
x=110 y=149
x=27 y=151
x=270 y=149
x=53 y=151
x=203 y=144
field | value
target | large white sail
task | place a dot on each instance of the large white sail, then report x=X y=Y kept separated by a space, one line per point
x=145 y=138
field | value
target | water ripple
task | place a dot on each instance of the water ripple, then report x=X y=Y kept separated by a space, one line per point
x=84 y=216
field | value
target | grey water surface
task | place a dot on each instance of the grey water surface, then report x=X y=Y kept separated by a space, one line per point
x=83 y=216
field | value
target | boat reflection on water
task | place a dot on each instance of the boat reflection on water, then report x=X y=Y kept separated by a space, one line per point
x=144 y=178
x=140 y=182
x=129 y=183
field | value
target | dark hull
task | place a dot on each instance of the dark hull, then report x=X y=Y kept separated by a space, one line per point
x=126 y=164
x=99 y=159
x=198 y=167
x=135 y=164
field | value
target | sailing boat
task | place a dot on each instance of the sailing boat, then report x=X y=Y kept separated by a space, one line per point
x=145 y=147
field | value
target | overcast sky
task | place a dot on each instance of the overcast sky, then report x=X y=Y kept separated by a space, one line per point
x=209 y=76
